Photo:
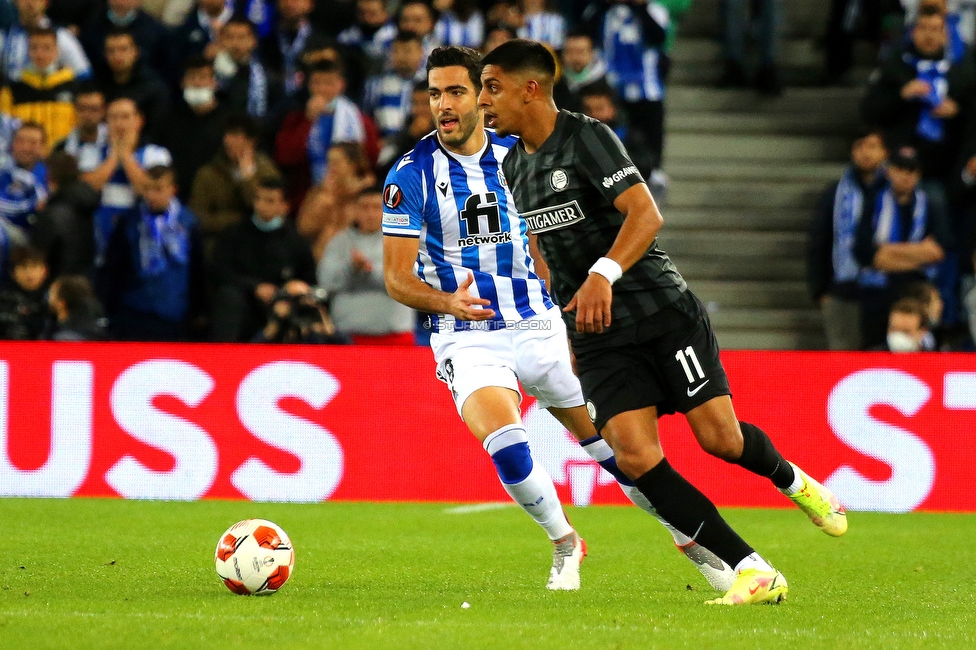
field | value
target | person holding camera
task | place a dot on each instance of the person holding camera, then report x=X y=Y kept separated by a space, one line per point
x=253 y=260
x=300 y=314
x=351 y=270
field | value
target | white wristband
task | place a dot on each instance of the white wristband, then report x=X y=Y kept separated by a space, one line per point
x=608 y=269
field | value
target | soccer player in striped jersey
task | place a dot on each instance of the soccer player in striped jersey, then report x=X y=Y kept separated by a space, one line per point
x=455 y=247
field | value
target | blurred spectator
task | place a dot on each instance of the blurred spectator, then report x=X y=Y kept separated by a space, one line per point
x=676 y=11
x=351 y=270
x=922 y=98
x=943 y=336
x=172 y=13
x=90 y=135
x=497 y=34
x=833 y=271
x=599 y=103
x=125 y=75
x=848 y=20
x=32 y=14
x=253 y=261
x=540 y=22
x=580 y=65
x=122 y=169
x=23 y=304
x=459 y=23
x=417 y=17
x=735 y=26
x=633 y=37
x=194 y=130
x=240 y=75
x=22 y=194
x=388 y=95
x=960 y=18
x=153 y=284
x=324 y=211
x=72 y=14
x=281 y=50
x=8 y=128
x=77 y=314
x=147 y=33
x=900 y=239
x=368 y=40
x=908 y=328
x=197 y=35
x=223 y=190
x=44 y=92
x=307 y=134
x=298 y=314
x=419 y=123
x=8 y=14
x=27 y=151
x=65 y=228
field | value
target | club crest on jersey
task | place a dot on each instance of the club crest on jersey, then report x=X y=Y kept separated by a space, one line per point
x=392 y=196
x=501 y=178
x=558 y=180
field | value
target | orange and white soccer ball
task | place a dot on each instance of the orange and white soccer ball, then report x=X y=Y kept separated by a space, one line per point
x=254 y=557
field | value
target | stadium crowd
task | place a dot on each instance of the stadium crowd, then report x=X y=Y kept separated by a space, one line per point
x=893 y=245
x=211 y=169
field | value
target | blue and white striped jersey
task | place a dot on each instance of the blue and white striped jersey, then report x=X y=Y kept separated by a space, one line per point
x=463 y=212
x=634 y=66
x=451 y=30
x=545 y=26
x=20 y=196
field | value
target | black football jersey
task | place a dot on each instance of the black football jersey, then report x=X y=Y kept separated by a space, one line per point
x=565 y=192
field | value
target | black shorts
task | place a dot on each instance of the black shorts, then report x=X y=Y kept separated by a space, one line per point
x=669 y=360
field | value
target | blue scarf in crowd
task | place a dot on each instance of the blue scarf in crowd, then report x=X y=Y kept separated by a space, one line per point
x=888 y=230
x=848 y=206
x=257 y=90
x=163 y=240
x=933 y=73
x=290 y=53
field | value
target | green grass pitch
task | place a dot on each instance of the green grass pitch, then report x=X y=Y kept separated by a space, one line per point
x=123 y=574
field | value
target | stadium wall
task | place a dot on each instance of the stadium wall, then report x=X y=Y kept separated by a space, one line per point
x=292 y=423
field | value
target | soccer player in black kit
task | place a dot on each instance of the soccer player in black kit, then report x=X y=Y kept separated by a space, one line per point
x=643 y=343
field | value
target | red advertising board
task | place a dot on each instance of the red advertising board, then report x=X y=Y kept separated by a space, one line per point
x=297 y=423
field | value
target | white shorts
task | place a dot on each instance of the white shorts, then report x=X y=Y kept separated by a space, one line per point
x=536 y=355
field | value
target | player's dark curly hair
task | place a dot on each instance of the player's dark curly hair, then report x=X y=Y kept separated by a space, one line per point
x=444 y=57
x=521 y=55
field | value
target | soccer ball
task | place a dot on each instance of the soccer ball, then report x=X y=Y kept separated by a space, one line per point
x=254 y=557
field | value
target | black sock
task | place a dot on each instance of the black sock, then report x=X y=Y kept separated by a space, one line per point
x=684 y=507
x=759 y=456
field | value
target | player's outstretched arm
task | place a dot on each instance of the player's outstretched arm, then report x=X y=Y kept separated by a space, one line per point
x=399 y=255
x=641 y=224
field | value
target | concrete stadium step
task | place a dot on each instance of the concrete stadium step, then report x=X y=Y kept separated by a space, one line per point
x=739 y=194
x=836 y=101
x=701 y=171
x=708 y=74
x=763 y=319
x=759 y=123
x=797 y=18
x=734 y=267
x=781 y=148
x=681 y=243
x=736 y=339
x=786 y=294
x=752 y=219
x=793 y=52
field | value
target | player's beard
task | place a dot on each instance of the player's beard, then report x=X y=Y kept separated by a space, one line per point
x=467 y=123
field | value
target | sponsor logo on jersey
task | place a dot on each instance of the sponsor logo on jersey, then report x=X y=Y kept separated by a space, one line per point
x=610 y=181
x=396 y=219
x=392 y=196
x=478 y=240
x=554 y=218
x=558 y=180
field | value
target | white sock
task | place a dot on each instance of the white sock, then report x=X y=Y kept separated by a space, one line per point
x=753 y=561
x=536 y=493
x=537 y=496
x=797 y=483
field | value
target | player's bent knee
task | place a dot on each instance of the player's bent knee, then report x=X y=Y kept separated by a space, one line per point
x=509 y=451
x=724 y=442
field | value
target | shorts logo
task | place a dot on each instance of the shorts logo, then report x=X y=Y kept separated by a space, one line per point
x=591 y=410
x=559 y=180
x=392 y=196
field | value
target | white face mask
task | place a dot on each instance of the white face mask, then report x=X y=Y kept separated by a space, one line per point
x=901 y=342
x=198 y=96
x=224 y=65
